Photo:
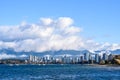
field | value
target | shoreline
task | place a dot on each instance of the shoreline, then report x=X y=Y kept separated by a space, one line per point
x=109 y=65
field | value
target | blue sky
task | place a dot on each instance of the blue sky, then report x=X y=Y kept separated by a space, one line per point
x=98 y=18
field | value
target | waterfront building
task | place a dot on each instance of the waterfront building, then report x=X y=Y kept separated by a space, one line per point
x=105 y=56
x=100 y=57
x=31 y=58
x=90 y=57
x=110 y=57
x=66 y=59
x=78 y=59
x=97 y=58
x=86 y=56
x=35 y=59
x=75 y=60
x=81 y=58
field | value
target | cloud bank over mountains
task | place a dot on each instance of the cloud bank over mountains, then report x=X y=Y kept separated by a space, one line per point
x=5 y=56
x=48 y=34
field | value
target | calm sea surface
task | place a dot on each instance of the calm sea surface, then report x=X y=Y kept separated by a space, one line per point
x=59 y=72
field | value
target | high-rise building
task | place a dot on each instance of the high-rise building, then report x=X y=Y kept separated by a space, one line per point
x=90 y=56
x=31 y=58
x=81 y=58
x=110 y=57
x=97 y=58
x=105 y=56
x=86 y=56
x=35 y=59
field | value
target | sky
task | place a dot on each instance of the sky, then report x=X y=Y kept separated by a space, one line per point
x=50 y=24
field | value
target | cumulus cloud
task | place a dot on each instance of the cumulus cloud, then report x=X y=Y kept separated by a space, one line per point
x=46 y=21
x=48 y=34
x=64 y=22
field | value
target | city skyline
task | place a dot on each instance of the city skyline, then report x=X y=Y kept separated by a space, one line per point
x=85 y=58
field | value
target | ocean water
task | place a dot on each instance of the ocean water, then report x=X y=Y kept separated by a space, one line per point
x=59 y=72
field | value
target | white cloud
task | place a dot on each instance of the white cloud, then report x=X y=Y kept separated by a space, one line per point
x=7 y=44
x=23 y=56
x=49 y=34
x=64 y=22
x=46 y=21
x=72 y=30
x=6 y=56
x=9 y=56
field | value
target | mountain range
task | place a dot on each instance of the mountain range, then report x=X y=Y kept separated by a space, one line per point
x=53 y=53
